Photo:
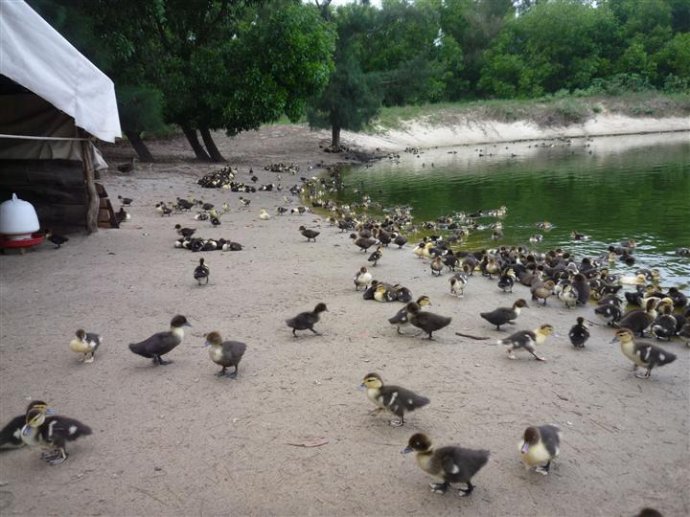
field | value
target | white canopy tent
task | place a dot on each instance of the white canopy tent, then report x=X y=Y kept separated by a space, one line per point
x=53 y=100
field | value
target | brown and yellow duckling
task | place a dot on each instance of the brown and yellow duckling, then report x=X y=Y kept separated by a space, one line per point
x=539 y=446
x=51 y=433
x=642 y=354
x=391 y=398
x=225 y=353
x=527 y=340
x=451 y=464
x=401 y=317
x=86 y=344
x=11 y=434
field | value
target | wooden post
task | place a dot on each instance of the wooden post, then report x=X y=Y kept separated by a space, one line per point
x=93 y=199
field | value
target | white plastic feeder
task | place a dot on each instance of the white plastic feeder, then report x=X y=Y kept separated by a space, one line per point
x=18 y=219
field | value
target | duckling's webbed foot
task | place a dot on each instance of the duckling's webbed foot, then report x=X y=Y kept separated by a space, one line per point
x=464 y=492
x=232 y=375
x=160 y=361
x=439 y=488
x=315 y=332
x=397 y=423
x=544 y=469
x=54 y=457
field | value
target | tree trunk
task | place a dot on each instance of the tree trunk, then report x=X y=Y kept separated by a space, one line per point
x=211 y=145
x=139 y=146
x=335 y=139
x=199 y=151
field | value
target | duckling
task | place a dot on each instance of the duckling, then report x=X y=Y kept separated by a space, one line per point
x=609 y=313
x=427 y=321
x=162 y=342
x=536 y=237
x=684 y=333
x=384 y=293
x=363 y=243
x=121 y=215
x=639 y=320
x=540 y=445
x=306 y=320
x=401 y=317
x=504 y=315
x=527 y=339
x=542 y=290
x=507 y=280
x=362 y=278
x=11 y=434
x=184 y=232
x=402 y=293
x=568 y=295
x=86 y=343
x=679 y=299
x=399 y=241
x=582 y=288
x=225 y=353
x=311 y=235
x=245 y=202
x=642 y=354
x=452 y=464
x=264 y=215
x=423 y=249
x=578 y=333
x=544 y=225
x=201 y=271
x=577 y=236
x=56 y=239
x=665 y=325
x=126 y=201
x=458 y=282
x=376 y=256
x=638 y=279
x=395 y=399
x=437 y=266
x=51 y=432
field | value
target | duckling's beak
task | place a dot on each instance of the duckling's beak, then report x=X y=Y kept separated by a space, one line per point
x=187 y=324
x=49 y=411
x=614 y=340
x=361 y=387
x=407 y=450
x=207 y=343
x=524 y=448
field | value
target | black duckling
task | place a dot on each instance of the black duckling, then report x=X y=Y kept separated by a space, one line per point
x=126 y=167
x=452 y=464
x=399 y=241
x=578 y=333
x=306 y=320
x=504 y=315
x=162 y=342
x=126 y=201
x=11 y=434
x=581 y=286
x=121 y=216
x=184 y=232
x=311 y=235
x=639 y=320
x=679 y=299
x=201 y=271
x=609 y=313
x=665 y=325
x=507 y=280
x=362 y=278
x=401 y=317
x=86 y=343
x=527 y=340
x=51 y=432
x=402 y=294
x=56 y=239
x=363 y=243
x=427 y=321
x=640 y=353
x=539 y=446
x=376 y=256
x=395 y=399
x=225 y=353
x=649 y=512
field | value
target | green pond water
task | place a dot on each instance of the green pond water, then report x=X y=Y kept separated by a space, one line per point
x=611 y=189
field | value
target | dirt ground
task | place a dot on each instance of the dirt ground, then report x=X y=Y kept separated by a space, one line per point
x=292 y=435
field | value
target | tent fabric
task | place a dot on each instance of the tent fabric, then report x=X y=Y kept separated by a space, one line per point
x=36 y=56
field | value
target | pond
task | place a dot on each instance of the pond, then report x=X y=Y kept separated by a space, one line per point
x=609 y=188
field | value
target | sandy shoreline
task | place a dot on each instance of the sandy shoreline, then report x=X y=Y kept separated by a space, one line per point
x=177 y=440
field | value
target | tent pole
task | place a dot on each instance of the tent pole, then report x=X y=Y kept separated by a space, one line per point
x=90 y=180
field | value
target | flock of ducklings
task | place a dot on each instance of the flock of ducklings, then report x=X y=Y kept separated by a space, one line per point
x=554 y=274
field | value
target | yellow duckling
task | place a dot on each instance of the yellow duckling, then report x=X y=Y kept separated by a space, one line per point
x=539 y=446
x=86 y=344
x=264 y=215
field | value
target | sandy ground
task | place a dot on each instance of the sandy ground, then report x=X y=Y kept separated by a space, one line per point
x=292 y=435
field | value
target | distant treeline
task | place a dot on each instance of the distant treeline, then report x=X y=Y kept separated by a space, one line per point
x=236 y=64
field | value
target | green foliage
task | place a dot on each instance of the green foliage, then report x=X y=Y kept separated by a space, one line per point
x=141 y=108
